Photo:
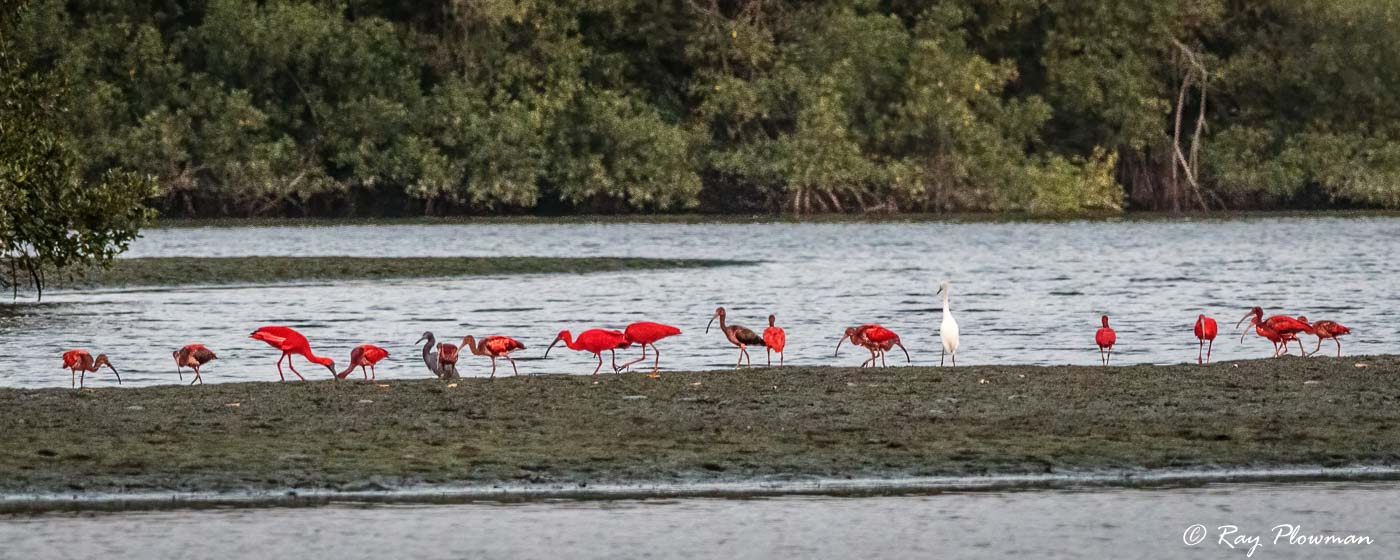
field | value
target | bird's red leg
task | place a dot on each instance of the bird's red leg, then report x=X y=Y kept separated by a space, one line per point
x=1200 y=348
x=72 y=378
x=1339 y=345
x=740 y=361
x=747 y=360
x=512 y=364
x=780 y=359
x=373 y=376
x=1208 y=349
x=614 y=359
x=82 y=378
x=600 y=363
x=294 y=368
x=493 y=367
x=279 y=367
x=655 y=366
x=629 y=364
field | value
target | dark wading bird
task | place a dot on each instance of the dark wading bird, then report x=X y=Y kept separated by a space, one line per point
x=737 y=335
x=1329 y=329
x=875 y=338
x=594 y=341
x=433 y=359
x=775 y=338
x=192 y=356
x=362 y=356
x=81 y=361
x=1205 y=333
x=644 y=333
x=494 y=347
x=1105 y=338
x=289 y=341
x=1279 y=329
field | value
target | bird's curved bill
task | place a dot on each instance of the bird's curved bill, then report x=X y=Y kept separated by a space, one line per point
x=114 y=372
x=838 y=344
x=1246 y=316
x=551 y=347
x=712 y=321
x=421 y=339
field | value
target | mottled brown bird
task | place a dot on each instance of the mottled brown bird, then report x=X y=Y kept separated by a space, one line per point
x=192 y=356
x=743 y=337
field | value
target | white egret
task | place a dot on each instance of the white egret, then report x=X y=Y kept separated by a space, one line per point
x=948 y=330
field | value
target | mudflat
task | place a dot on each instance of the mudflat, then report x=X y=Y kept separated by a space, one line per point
x=700 y=426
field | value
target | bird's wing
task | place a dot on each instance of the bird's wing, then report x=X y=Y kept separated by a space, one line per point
x=746 y=336
x=203 y=354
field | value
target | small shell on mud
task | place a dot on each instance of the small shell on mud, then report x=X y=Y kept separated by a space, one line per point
x=233 y=405
x=382 y=386
x=1362 y=365
x=983 y=382
x=365 y=401
x=451 y=385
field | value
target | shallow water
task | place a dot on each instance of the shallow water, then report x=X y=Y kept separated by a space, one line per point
x=1098 y=523
x=1023 y=293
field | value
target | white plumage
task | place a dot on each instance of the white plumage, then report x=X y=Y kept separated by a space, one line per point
x=948 y=330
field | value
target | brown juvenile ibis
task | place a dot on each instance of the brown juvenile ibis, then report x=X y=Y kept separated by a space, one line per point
x=739 y=336
x=192 y=356
x=494 y=347
x=81 y=361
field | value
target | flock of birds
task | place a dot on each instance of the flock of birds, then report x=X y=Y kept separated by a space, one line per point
x=441 y=358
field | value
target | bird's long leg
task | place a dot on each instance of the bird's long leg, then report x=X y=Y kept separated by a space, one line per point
x=373 y=376
x=512 y=364
x=1108 y=359
x=882 y=358
x=748 y=361
x=1101 y=360
x=1208 y=349
x=181 y=372
x=493 y=367
x=1319 y=346
x=82 y=378
x=740 y=361
x=279 y=367
x=770 y=356
x=955 y=359
x=629 y=364
x=1200 y=348
x=614 y=359
x=600 y=363
x=655 y=366
x=72 y=378
x=294 y=368
x=1339 y=345
x=940 y=357
x=780 y=358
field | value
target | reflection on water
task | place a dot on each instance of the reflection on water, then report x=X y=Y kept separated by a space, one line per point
x=1024 y=293
x=1100 y=523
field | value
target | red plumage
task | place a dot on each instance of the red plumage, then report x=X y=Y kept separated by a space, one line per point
x=493 y=347
x=362 y=356
x=289 y=341
x=644 y=333
x=594 y=341
x=1205 y=328
x=1105 y=338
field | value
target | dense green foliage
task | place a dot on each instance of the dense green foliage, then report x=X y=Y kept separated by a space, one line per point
x=51 y=218
x=392 y=107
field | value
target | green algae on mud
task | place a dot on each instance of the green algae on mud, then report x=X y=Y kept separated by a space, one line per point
x=171 y=271
x=691 y=427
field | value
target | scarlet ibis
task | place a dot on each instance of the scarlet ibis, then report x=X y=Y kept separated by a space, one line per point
x=1106 y=338
x=494 y=347
x=1205 y=332
x=192 y=356
x=594 y=341
x=1329 y=329
x=80 y=360
x=775 y=339
x=447 y=358
x=289 y=341
x=875 y=338
x=948 y=330
x=644 y=333
x=739 y=336
x=1279 y=329
x=362 y=356
x=430 y=358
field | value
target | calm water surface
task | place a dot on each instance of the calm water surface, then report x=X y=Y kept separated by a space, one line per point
x=1116 y=523
x=1024 y=293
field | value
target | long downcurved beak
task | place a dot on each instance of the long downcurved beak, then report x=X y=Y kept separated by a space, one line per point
x=906 y=352
x=551 y=346
x=1246 y=316
x=712 y=321
x=838 y=345
x=421 y=339
x=114 y=372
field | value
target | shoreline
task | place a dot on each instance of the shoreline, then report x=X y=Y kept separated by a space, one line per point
x=222 y=271
x=755 y=218
x=19 y=504
x=781 y=427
